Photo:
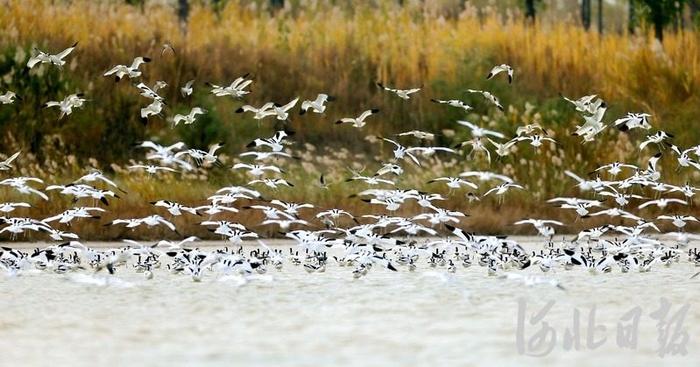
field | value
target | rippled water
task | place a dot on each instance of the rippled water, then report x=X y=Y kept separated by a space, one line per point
x=297 y=319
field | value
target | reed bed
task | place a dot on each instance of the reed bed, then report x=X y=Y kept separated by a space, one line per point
x=318 y=47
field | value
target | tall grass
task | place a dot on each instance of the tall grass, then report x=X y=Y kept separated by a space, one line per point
x=317 y=47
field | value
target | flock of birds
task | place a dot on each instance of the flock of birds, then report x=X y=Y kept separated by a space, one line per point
x=361 y=243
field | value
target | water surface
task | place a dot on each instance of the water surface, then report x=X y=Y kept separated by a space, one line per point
x=292 y=318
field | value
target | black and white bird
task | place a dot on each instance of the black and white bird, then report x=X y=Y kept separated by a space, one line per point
x=614 y=168
x=8 y=97
x=486 y=176
x=543 y=226
x=6 y=165
x=190 y=117
x=499 y=69
x=152 y=92
x=153 y=109
x=359 y=121
x=205 y=157
x=503 y=149
x=187 y=89
x=530 y=129
x=272 y=183
x=259 y=113
x=175 y=209
x=679 y=221
x=21 y=184
x=536 y=140
x=42 y=57
x=586 y=104
x=291 y=208
x=489 y=97
x=455 y=182
x=657 y=138
x=66 y=106
x=151 y=169
x=10 y=207
x=318 y=105
x=402 y=93
x=237 y=89
x=402 y=152
x=480 y=132
x=418 y=134
x=262 y=156
x=662 y=203
x=150 y=221
x=282 y=111
x=132 y=71
x=96 y=175
x=683 y=157
x=276 y=143
x=454 y=103
x=257 y=170
x=503 y=188
x=633 y=121
x=75 y=213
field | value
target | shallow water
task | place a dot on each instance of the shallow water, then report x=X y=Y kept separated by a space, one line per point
x=297 y=319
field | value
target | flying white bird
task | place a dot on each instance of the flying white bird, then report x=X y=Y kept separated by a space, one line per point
x=174 y=208
x=10 y=207
x=151 y=169
x=678 y=220
x=66 y=106
x=587 y=104
x=615 y=168
x=46 y=58
x=187 y=89
x=402 y=93
x=536 y=140
x=272 y=183
x=503 y=188
x=259 y=113
x=359 y=121
x=257 y=170
x=96 y=175
x=479 y=132
x=152 y=220
x=8 y=97
x=489 y=97
x=236 y=89
x=662 y=203
x=6 y=165
x=318 y=105
x=282 y=111
x=657 y=138
x=633 y=121
x=74 y=213
x=486 y=176
x=132 y=71
x=418 y=134
x=401 y=152
x=455 y=182
x=275 y=143
x=190 y=117
x=152 y=109
x=543 y=226
x=499 y=69
x=152 y=92
x=454 y=103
